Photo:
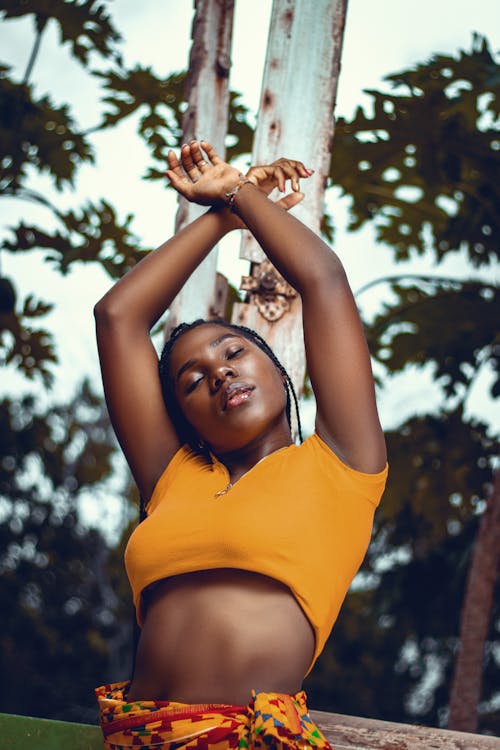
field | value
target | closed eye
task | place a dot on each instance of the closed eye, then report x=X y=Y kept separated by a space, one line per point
x=234 y=353
x=193 y=385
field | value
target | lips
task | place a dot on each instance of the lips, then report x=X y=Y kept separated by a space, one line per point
x=234 y=394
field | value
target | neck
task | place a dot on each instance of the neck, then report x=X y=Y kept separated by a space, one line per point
x=240 y=461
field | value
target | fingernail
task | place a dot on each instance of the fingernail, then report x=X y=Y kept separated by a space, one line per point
x=184 y=145
x=309 y=171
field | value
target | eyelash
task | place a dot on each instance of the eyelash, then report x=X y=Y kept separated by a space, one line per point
x=233 y=354
x=192 y=386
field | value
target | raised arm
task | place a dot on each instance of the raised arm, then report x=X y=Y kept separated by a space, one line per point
x=337 y=354
x=338 y=361
x=126 y=314
x=129 y=363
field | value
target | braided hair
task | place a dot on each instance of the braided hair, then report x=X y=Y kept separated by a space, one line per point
x=185 y=431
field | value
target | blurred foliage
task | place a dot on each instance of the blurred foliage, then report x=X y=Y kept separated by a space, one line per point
x=94 y=235
x=423 y=170
x=36 y=133
x=30 y=350
x=84 y=24
x=56 y=595
x=464 y=313
x=428 y=159
x=161 y=103
x=392 y=649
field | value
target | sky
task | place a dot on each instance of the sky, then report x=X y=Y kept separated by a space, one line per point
x=381 y=38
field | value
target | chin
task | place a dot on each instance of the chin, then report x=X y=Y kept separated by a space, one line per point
x=245 y=433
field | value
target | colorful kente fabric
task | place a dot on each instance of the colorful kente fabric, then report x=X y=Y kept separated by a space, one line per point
x=274 y=721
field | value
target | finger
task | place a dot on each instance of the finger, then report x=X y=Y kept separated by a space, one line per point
x=181 y=184
x=298 y=165
x=291 y=200
x=211 y=152
x=294 y=171
x=190 y=167
x=291 y=174
x=174 y=164
x=197 y=157
x=301 y=169
x=280 y=178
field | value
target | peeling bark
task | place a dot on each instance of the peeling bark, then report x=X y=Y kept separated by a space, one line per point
x=475 y=617
x=296 y=119
x=206 y=117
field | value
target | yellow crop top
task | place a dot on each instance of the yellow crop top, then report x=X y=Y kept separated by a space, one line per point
x=300 y=516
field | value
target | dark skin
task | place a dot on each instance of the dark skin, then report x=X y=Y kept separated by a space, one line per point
x=213 y=635
x=245 y=430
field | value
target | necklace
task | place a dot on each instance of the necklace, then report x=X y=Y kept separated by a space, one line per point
x=230 y=484
x=223 y=492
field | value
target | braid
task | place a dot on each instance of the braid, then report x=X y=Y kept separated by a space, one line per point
x=186 y=433
x=252 y=335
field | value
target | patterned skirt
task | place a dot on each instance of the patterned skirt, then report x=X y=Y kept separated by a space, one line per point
x=274 y=721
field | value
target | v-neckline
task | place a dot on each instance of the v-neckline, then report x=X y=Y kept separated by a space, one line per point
x=231 y=485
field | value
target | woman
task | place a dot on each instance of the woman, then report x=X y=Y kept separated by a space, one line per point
x=250 y=542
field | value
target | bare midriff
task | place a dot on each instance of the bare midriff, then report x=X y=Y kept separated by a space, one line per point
x=212 y=636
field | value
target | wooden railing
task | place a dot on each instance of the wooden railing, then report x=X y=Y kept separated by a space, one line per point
x=344 y=733
x=354 y=733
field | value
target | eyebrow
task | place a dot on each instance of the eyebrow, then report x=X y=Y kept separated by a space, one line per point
x=193 y=361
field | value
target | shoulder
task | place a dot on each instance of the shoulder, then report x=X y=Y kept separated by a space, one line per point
x=185 y=464
x=326 y=466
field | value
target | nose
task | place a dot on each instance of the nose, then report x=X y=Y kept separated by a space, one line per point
x=219 y=375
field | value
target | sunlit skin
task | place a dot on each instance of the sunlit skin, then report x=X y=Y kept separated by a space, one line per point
x=246 y=428
x=213 y=635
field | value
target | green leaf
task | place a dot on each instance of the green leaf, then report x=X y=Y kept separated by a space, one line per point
x=451 y=323
x=84 y=24
x=440 y=469
x=31 y=350
x=239 y=131
x=161 y=103
x=36 y=133
x=428 y=159
x=163 y=99
x=93 y=235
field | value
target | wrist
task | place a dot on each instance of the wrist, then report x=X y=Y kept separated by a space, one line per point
x=224 y=217
x=231 y=194
x=246 y=187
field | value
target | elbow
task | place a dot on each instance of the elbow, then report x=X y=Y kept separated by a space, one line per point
x=329 y=276
x=106 y=312
x=116 y=314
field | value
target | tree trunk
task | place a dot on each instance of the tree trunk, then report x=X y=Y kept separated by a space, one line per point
x=475 y=617
x=206 y=117
x=296 y=120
